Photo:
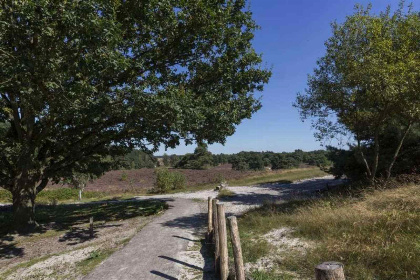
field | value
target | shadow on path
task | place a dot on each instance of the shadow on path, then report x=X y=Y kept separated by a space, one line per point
x=163 y=275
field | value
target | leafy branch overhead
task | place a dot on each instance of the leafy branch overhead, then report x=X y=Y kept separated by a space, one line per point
x=81 y=79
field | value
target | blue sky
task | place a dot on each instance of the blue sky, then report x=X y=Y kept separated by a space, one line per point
x=291 y=40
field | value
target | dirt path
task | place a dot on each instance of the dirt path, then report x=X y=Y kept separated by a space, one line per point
x=159 y=251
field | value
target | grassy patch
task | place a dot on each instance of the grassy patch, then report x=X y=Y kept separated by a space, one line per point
x=264 y=275
x=56 y=195
x=284 y=176
x=66 y=216
x=375 y=235
x=33 y=261
x=287 y=176
x=225 y=193
x=96 y=257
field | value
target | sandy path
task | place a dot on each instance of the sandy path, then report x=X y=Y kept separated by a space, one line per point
x=158 y=250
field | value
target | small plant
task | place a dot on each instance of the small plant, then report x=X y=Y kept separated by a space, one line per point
x=124 y=176
x=93 y=255
x=166 y=180
x=220 y=179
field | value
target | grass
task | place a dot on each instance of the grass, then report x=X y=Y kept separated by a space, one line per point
x=57 y=195
x=73 y=220
x=286 y=176
x=66 y=216
x=69 y=195
x=96 y=257
x=7 y=273
x=376 y=234
x=225 y=193
x=263 y=275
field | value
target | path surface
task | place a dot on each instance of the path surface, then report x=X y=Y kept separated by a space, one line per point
x=158 y=250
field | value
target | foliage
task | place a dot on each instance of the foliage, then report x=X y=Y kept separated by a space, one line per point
x=80 y=80
x=260 y=160
x=167 y=180
x=166 y=160
x=368 y=80
x=349 y=163
x=200 y=159
x=135 y=159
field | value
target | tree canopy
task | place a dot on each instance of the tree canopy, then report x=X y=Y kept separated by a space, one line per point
x=368 y=80
x=88 y=78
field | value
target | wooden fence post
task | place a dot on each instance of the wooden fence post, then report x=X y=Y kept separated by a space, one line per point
x=91 y=226
x=237 y=250
x=330 y=271
x=216 y=236
x=210 y=221
x=224 y=260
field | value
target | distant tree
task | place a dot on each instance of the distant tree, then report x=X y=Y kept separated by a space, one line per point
x=166 y=161
x=256 y=162
x=174 y=159
x=135 y=159
x=200 y=159
x=368 y=79
x=83 y=79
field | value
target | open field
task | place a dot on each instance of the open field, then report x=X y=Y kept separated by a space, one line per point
x=375 y=234
x=62 y=247
x=140 y=181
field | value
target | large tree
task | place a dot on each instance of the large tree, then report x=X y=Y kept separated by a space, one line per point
x=368 y=80
x=82 y=79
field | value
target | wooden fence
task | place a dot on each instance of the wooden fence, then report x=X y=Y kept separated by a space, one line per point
x=217 y=236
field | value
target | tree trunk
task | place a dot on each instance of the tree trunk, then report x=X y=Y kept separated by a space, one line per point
x=362 y=155
x=397 y=151
x=80 y=194
x=24 y=207
x=375 y=157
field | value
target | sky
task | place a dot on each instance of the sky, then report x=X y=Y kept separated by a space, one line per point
x=291 y=40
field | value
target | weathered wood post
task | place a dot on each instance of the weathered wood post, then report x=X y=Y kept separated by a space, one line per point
x=330 y=271
x=237 y=249
x=224 y=261
x=216 y=236
x=210 y=221
x=91 y=227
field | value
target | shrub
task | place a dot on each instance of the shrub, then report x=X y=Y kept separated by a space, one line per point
x=178 y=180
x=166 y=180
x=124 y=176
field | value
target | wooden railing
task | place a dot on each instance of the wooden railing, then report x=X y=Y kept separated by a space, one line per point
x=217 y=236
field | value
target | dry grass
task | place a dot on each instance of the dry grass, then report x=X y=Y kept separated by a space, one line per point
x=376 y=234
x=225 y=193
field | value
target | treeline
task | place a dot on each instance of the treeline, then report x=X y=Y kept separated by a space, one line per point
x=261 y=160
x=202 y=159
x=136 y=159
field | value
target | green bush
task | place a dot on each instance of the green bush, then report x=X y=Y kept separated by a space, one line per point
x=124 y=176
x=166 y=180
x=178 y=180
